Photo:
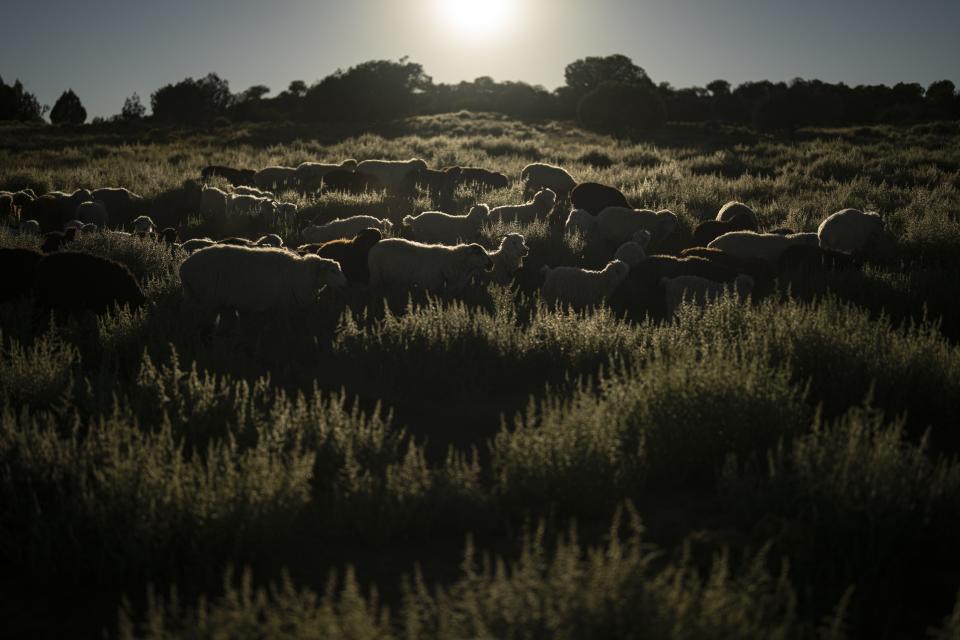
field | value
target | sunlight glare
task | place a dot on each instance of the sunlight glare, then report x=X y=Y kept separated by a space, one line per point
x=476 y=17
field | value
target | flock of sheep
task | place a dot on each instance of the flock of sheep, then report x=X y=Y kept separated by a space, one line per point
x=439 y=252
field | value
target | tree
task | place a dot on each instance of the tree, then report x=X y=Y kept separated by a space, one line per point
x=68 y=109
x=256 y=92
x=617 y=107
x=585 y=75
x=719 y=88
x=133 y=109
x=374 y=90
x=192 y=101
x=942 y=94
x=17 y=104
x=297 y=88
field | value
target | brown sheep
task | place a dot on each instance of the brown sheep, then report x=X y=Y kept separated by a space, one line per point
x=352 y=254
x=712 y=229
x=594 y=197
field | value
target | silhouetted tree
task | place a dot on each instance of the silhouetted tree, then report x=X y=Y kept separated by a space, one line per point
x=133 y=109
x=256 y=92
x=719 y=88
x=619 y=107
x=942 y=96
x=68 y=109
x=192 y=101
x=17 y=104
x=374 y=90
x=297 y=88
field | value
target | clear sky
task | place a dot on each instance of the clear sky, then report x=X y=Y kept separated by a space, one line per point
x=107 y=49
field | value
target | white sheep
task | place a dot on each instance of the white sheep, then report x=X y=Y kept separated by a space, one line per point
x=244 y=190
x=255 y=279
x=633 y=252
x=95 y=212
x=344 y=228
x=436 y=227
x=581 y=288
x=764 y=246
x=733 y=209
x=540 y=175
x=30 y=226
x=433 y=267
x=310 y=174
x=269 y=240
x=700 y=290
x=508 y=258
x=251 y=205
x=197 y=243
x=538 y=208
x=850 y=231
x=143 y=224
x=275 y=177
x=213 y=203
x=391 y=174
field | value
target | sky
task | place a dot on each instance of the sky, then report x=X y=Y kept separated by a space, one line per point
x=105 y=50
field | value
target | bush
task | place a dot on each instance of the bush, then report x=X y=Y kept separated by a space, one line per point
x=621 y=108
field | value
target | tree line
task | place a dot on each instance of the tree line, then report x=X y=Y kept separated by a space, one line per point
x=608 y=93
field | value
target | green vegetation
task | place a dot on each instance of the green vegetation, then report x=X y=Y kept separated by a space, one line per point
x=484 y=466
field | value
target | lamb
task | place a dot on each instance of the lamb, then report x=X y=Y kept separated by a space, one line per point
x=582 y=288
x=593 y=197
x=275 y=178
x=540 y=175
x=213 y=203
x=349 y=182
x=435 y=227
x=700 y=290
x=391 y=174
x=54 y=240
x=196 y=243
x=269 y=240
x=251 y=205
x=143 y=224
x=236 y=177
x=508 y=258
x=765 y=246
x=255 y=279
x=434 y=267
x=122 y=204
x=94 y=212
x=734 y=209
x=19 y=267
x=538 y=208
x=75 y=281
x=352 y=255
x=310 y=175
x=482 y=178
x=709 y=230
x=344 y=228
x=851 y=231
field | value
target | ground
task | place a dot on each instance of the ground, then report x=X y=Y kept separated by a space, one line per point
x=783 y=467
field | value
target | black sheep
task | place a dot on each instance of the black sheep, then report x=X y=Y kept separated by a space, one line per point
x=54 y=240
x=349 y=182
x=76 y=281
x=440 y=182
x=594 y=197
x=710 y=230
x=352 y=254
x=17 y=270
x=483 y=178
x=236 y=177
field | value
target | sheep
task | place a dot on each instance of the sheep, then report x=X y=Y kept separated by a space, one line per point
x=213 y=203
x=851 y=231
x=344 y=228
x=75 y=224
x=168 y=235
x=581 y=288
x=310 y=175
x=435 y=227
x=352 y=255
x=440 y=182
x=251 y=205
x=31 y=227
x=765 y=246
x=540 y=175
x=269 y=240
x=18 y=267
x=253 y=191
x=616 y=225
x=808 y=259
x=709 y=230
x=734 y=209
x=6 y=206
x=75 y=281
x=122 y=204
x=22 y=197
x=508 y=258
x=434 y=267
x=275 y=177
x=235 y=241
x=538 y=208
x=196 y=243
x=143 y=224
x=287 y=213
x=482 y=178
x=90 y=227
x=391 y=174
x=94 y=212
x=700 y=290
x=48 y=211
x=594 y=197
x=633 y=252
x=255 y=279
x=236 y=177
x=54 y=240
x=349 y=182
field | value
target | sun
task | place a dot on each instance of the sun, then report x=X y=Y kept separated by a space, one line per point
x=476 y=17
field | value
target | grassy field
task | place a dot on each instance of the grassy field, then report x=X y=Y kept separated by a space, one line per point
x=483 y=466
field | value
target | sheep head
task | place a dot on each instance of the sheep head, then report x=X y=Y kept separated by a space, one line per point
x=580 y=220
x=545 y=199
x=367 y=238
x=386 y=226
x=327 y=271
x=632 y=253
x=479 y=213
x=513 y=244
